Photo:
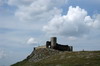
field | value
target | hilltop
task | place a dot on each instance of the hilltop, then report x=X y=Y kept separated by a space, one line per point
x=51 y=57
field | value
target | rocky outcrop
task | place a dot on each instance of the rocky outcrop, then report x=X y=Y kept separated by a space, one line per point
x=42 y=53
x=51 y=57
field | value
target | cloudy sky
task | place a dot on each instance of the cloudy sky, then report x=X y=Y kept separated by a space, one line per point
x=25 y=24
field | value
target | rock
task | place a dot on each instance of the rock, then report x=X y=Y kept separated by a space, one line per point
x=41 y=53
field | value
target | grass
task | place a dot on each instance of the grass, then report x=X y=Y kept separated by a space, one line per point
x=82 y=58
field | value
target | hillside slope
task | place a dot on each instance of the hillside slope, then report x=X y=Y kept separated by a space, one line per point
x=50 y=57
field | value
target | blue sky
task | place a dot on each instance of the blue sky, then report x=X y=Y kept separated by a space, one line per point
x=25 y=24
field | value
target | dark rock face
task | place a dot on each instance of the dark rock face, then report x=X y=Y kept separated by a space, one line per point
x=40 y=54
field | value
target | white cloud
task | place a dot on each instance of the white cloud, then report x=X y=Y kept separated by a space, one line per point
x=19 y=2
x=37 y=2
x=2 y=54
x=75 y=23
x=96 y=23
x=31 y=41
x=36 y=14
x=70 y=24
x=37 y=10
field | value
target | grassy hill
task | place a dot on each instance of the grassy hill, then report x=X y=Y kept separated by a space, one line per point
x=50 y=57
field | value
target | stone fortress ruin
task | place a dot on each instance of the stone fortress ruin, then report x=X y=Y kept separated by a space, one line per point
x=52 y=44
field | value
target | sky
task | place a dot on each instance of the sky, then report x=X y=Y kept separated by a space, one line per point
x=25 y=24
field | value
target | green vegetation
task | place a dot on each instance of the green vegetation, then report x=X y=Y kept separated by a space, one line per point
x=48 y=57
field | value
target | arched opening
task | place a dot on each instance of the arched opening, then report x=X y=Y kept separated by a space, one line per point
x=49 y=46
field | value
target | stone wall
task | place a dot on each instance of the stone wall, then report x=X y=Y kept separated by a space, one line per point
x=54 y=45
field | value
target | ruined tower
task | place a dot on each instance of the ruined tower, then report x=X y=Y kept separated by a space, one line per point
x=54 y=45
x=53 y=42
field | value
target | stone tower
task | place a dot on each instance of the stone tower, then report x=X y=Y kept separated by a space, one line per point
x=53 y=42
